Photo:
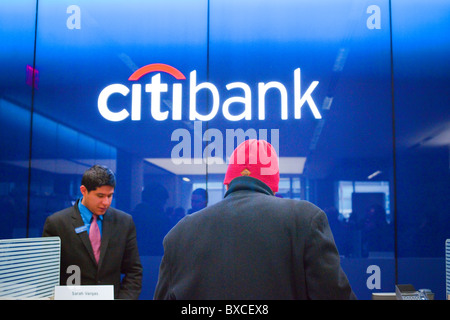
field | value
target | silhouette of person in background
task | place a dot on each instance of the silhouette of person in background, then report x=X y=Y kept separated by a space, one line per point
x=338 y=229
x=152 y=222
x=376 y=233
x=175 y=214
x=199 y=200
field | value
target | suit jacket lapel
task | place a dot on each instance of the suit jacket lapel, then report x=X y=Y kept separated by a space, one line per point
x=106 y=234
x=78 y=222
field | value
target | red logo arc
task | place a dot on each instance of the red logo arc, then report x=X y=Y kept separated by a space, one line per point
x=157 y=67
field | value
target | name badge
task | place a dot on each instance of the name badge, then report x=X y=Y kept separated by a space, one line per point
x=81 y=229
x=84 y=292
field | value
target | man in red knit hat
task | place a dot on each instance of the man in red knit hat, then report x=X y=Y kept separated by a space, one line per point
x=257 y=159
x=252 y=245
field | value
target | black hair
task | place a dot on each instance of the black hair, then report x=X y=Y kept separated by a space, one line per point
x=98 y=176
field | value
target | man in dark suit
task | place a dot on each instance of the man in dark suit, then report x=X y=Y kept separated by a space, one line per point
x=252 y=245
x=97 y=238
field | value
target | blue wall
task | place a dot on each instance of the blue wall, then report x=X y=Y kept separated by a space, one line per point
x=377 y=72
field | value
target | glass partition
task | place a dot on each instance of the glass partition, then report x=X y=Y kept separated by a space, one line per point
x=314 y=79
x=422 y=113
x=18 y=80
x=352 y=94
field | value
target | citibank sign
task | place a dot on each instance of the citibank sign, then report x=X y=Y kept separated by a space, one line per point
x=156 y=88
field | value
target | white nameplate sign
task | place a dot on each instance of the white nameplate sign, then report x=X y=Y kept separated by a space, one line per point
x=84 y=292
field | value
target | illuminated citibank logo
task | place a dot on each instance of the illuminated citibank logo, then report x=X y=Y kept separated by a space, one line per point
x=157 y=88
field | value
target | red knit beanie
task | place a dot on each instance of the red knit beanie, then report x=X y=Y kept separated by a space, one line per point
x=257 y=159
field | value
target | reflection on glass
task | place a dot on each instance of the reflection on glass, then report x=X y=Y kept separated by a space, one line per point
x=257 y=64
